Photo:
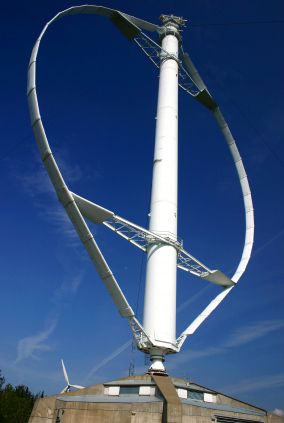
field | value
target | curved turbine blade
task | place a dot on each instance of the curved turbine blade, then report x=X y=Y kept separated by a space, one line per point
x=65 y=374
x=131 y=26
x=55 y=175
x=207 y=100
x=204 y=97
x=148 y=26
x=125 y=25
x=191 y=69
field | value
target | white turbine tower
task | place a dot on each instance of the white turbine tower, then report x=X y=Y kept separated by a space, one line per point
x=69 y=385
x=157 y=335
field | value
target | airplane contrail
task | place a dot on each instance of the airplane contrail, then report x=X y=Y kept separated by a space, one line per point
x=110 y=357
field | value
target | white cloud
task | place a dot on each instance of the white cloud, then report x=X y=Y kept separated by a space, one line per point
x=28 y=346
x=71 y=173
x=38 y=185
x=56 y=214
x=68 y=287
x=278 y=412
x=37 y=182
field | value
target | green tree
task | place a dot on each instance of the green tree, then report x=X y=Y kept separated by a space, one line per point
x=16 y=403
x=2 y=381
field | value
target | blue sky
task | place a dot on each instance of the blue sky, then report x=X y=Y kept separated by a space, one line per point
x=97 y=96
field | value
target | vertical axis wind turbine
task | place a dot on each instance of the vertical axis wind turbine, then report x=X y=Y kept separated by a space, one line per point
x=157 y=335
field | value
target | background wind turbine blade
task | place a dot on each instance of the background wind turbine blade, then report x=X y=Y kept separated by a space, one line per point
x=77 y=386
x=65 y=373
x=64 y=390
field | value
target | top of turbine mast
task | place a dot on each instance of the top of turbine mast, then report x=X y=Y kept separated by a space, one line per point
x=171 y=25
x=157 y=335
x=173 y=20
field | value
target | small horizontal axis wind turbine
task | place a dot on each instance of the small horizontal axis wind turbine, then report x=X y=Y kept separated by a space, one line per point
x=157 y=335
x=69 y=385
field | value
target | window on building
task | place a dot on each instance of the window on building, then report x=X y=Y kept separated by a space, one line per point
x=129 y=390
x=195 y=395
x=229 y=419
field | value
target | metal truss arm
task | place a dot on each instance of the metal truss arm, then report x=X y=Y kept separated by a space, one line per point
x=142 y=238
x=154 y=52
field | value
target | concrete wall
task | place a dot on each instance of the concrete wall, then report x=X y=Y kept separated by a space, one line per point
x=73 y=412
x=91 y=405
x=274 y=418
x=43 y=410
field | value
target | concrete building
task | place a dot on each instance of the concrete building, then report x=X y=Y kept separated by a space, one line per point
x=144 y=399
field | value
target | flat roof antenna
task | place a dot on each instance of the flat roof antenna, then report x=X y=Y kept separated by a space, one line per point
x=156 y=336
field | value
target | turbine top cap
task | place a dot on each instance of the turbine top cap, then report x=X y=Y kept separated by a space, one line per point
x=172 y=21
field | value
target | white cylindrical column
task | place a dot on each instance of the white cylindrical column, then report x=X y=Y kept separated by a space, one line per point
x=160 y=291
